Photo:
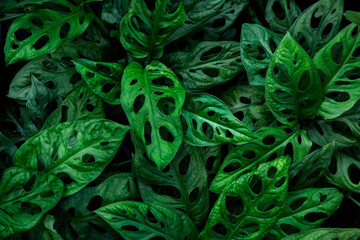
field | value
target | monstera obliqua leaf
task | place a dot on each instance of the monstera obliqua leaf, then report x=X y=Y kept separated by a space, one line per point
x=305 y=210
x=144 y=31
x=152 y=99
x=258 y=45
x=77 y=152
x=281 y=21
x=209 y=122
x=103 y=78
x=25 y=197
x=338 y=64
x=137 y=220
x=182 y=185
x=353 y=17
x=327 y=234
x=43 y=31
x=208 y=64
x=250 y=205
x=318 y=24
x=272 y=143
x=292 y=86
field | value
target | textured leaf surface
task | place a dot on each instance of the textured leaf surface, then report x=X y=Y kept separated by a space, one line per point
x=25 y=197
x=103 y=78
x=318 y=24
x=77 y=152
x=327 y=234
x=209 y=122
x=292 y=84
x=272 y=143
x=183 y=185
x=208 y=64
x=136 y=220
x=338 y=63
x=144 y=31
x=306 y=209
x=281 y=21
x=353 y=16
x=258 y=45
x=249 y=206
x=152 y=99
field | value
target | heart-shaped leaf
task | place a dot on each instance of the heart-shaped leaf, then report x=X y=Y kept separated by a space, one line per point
x=152 y=99
x=338 y=64
x=25 y=197
x=209 y=122
x=326 y=234
x=306 y=209
x=258 y=45
x=77 y=152
x=43 y=31
x=272 y=143
x=249 y=206
x=318 y=24
x=292 y=84
x=136 y=220
x=208 y=64
x=144 y=31
x=103 y=78
x=182 y=185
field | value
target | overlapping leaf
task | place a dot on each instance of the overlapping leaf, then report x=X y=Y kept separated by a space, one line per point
x=152 y=99
x=327 y=234
x=77 y=152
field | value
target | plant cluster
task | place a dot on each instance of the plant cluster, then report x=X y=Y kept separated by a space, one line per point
x=180 y=119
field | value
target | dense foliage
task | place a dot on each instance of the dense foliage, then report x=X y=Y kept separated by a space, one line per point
x=180 y=119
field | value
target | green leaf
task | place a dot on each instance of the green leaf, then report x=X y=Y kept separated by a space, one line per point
x=80 y=104
x=249 y=206
x=114 y=10
x=45 y=31
x=152 y=99
x=103 y=78
x=283 y=20
x=206 y=65
x=292 y=84
x=77 y=152
x=182 y=185
x=338 y=63
x=46 y=230
x=25 y=197
x=81 y=206
x=209 y=18
x=258 y=45
x=318 y=24
x=306 y=209
x=327 y=234
x=307 y=170
x=353 y=16
x=272 y=143
x=136 y=220
x=209 y=122
x=144 y=31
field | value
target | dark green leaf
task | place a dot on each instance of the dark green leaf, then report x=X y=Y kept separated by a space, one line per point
x=114 y=10
x=281 y=21
x=353 y=16
x=327 y=234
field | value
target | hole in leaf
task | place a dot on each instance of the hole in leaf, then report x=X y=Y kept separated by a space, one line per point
x=157 y=238
x=278 y=10
x=326 y=30
x=150 y=217
x=194 y=194
x=41 y=42
x=353 y=74
x=147 y=133
x=304 y=81
x=354 y=174
x=255 y=184
x=229 y=134
x=30 y=183
x=245 y=100
x=95 y=203
x=210 y=162
x=165 y=134
x=64 y=30
x=89 y=74
x=289 y=229
x=163 y=81
x=87 y=158
x=273 y=45
x=233 y=166
x=220 y=22
x=104 y=69
x=337 y=52
x=184 y=165
x=213 y=52
x=322 y=197
x=315 y=216
x=207 y=130
x=104 y=143
x=272 y=172
x=211 y=72
x=167 y=190
x=280 y=182
x=272 y=157
x=130 y=228
x=133 y=82
x=249 y=154
x=282 y=96
x=219 y=228
x=356 y=53
x=289 y=150
x=65 y=177
x=315 y=19
x=150 y=4
x=30 y=208
x=197 y=36
x=234 y=205
x=139 y=103
x=166 y=105
x=295 y=205
x=338 y=96
x=165 y=30
x=269 y=140
x=21 y=34
x=37 y=22
x=108 y=87
x=267 y=206
x=295 y=59
x=14 y=46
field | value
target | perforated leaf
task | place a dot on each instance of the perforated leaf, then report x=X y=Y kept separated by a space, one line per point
x=80 y=104
x=25 y=197
x=318 y=24
x=249 y=206
x=209 y=122
x=272 y=143
x=281 y=14
x=43 y=31
x=306 y=209
x=152 y=99
x=338 y=63
x=327 y=234
x=103 y=78
x=136 y=220
x=81 y=207
x=182 y=185
x=77 y=152
x=292 y=84
x=208 y=64
x=144 y=31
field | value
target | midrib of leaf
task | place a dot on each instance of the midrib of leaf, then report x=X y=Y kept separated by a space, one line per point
x=201 y=64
